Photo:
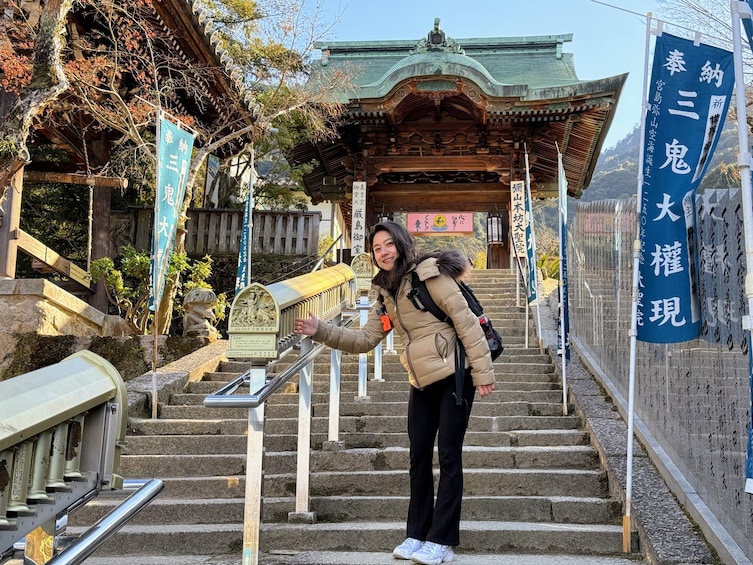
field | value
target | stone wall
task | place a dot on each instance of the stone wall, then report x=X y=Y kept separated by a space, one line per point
x=43 y=324
x=37 y=305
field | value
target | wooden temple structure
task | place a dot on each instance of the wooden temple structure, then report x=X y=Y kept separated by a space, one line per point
x=225 y=105
x=438 y=123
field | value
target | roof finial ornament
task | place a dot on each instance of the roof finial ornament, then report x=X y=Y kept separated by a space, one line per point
x=436 y=37
x=436 y=40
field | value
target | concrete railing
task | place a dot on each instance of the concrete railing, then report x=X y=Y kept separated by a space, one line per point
x=61 y=434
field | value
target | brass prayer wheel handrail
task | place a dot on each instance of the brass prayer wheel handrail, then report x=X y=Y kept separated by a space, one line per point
x=260 y=325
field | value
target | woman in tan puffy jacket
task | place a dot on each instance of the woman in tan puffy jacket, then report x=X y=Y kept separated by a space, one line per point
x=433 y=526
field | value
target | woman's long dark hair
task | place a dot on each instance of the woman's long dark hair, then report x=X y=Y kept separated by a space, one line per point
x=406 y=248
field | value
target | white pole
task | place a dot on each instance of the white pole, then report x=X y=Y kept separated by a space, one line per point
x=743 y=10
x=634 y=309
x=533 y=255
x=562 y=207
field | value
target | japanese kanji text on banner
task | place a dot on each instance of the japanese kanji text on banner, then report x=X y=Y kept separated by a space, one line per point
x=689 y=94
x=174 y=147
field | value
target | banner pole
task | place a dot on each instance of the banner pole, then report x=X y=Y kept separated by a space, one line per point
x=626 y=536
x=738 y=10
x=563 y=294
x=155 y=286
x=155 y=331
x=533 y=278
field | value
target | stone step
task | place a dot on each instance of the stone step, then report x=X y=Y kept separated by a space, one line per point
x=558 y=509
x=228 y=443
x=383 y=557
x=361 y=459
x=393 y=378
x=352 y=406
x=478 y=537
x=530 y=354
x=504 y=381
x=198 y=411
x=212 y=426
x=375 y=423
x=477 y=482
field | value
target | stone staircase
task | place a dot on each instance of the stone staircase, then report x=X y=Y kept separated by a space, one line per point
x=533 y=483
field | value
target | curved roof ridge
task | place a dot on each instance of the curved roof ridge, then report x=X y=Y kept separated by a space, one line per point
x=455 y=60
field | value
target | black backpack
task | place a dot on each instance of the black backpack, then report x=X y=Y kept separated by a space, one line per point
x=422 y=300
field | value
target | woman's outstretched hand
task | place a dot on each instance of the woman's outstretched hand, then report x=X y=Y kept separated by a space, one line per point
x=306 y=326
x=483 y=390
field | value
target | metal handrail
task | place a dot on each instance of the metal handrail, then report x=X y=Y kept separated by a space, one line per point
x=108 y=525
x=520 y=267
x=224 y=398
x=320 y=262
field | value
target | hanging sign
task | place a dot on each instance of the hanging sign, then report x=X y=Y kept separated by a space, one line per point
x=358 y=224
x=441 y=223
x=518 y=217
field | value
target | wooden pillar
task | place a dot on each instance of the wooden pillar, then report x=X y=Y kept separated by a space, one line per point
x=9 y=226
x=100 y=239
x=497 y=257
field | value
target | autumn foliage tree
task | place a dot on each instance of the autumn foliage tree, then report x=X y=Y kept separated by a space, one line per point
x=105 y=66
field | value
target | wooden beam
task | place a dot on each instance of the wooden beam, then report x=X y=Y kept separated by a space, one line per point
x=10 y=217
x=76 y=178
x=38 y=250
x=432 y=163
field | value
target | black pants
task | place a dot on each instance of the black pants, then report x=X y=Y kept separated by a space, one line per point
x=433 y=410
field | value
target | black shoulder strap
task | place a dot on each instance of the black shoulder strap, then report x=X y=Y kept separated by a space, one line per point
x=422 y=300
x=471 y=299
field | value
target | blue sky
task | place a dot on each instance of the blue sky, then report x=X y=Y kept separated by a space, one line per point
x=606 y=41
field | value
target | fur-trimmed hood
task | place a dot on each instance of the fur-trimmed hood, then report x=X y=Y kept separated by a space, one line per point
x=450 y=262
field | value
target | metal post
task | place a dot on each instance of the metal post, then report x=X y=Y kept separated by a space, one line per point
x=391 y=343
x=333 y=436
x=739 y=11
x=378 y=362
x=633 y=333
x=302 y=513
x=363 y=358
x=254 y=476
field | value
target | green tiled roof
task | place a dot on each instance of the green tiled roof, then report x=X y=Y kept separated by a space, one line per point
x=496 y=63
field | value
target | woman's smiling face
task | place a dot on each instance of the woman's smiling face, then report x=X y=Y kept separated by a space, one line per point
x=384 y=249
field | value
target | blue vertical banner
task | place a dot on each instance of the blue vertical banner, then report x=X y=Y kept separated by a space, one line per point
x=564 y=325
x=174 y=146
x=243 y=276
x=690 y=89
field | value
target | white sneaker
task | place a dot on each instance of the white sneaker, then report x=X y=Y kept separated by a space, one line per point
x=406 y=549
x=433 y=554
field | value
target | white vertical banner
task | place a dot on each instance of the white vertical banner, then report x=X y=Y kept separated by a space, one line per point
x=518 y=216
x=358 y=224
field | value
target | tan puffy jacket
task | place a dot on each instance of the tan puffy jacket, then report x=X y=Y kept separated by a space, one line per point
x=429 y=354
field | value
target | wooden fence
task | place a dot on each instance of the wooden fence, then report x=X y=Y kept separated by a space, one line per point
x=213 y=231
